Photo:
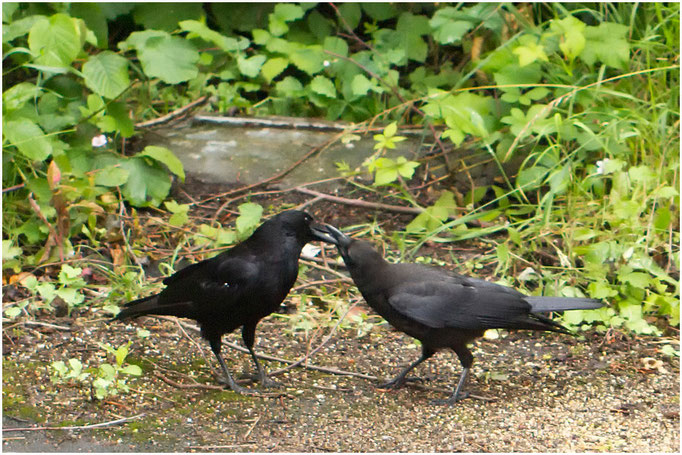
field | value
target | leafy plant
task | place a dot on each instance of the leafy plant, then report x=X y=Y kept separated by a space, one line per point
x=109 y=380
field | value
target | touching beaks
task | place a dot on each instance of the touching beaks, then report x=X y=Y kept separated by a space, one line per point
x=340 y=239
x=320 y=232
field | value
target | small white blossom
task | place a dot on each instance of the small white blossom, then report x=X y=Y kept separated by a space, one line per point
x=326 y=63
x=600 y=167
x=99 y=141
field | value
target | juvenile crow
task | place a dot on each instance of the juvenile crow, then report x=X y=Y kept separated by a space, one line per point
x=443 y=309
x=236 y=288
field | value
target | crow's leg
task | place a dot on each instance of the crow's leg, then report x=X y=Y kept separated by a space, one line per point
x=399 y=380
x=227 y=379
x=249 y=337
x=467 y=360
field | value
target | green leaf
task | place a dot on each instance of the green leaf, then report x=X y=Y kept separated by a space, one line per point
x=71 y=276
x=16 y=96
x=113 y=175
x=179 y=211
x=249 y=217
x=608 y=44
x=289 y=87
x=169 y=58
x=639 y=280
x=273 y=67
x=133 y=370
x=349 y=15
x=201 y=30
x=288 y=12
x=323 y=86
x=56 y=42
x=572 y=41
x=9 y=251
x=335 y=45
x=18 y=28
x=309 y=59
x=361 y=85
x=12 y=312
x=380 y=11
x=107 y=371
x=118 y=119
x=121 y=353
x=600 y=290
x=106 y=74
x=28 y=138
x=165 y=156
x=530 y=53
x=147 y=184
x=250 y=67
x=71 y=296
x=449 y=25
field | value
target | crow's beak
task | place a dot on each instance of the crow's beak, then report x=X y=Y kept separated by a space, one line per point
x=340 y=239
x=321 y=233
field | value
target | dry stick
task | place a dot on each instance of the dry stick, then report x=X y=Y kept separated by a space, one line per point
x=79 y=427
x=359 y=202
x=176 y=113
x=45 y=324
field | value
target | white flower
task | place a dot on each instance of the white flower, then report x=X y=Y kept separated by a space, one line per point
x=326 y=63
x=99 y=141
x=600 y=166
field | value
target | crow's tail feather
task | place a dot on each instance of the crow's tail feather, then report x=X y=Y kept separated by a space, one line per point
x=548 y=304
x=151 y=306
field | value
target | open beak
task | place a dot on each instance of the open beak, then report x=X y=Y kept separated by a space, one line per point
x=320 y=232
x=340 y=239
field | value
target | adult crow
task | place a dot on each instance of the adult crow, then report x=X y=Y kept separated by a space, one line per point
x=236 y=288
x=443 y=309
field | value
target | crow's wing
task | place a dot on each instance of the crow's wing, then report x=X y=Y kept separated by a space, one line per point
x=217 y=280
x=460 y=304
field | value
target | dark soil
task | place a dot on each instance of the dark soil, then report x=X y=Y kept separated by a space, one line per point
x=537 y=392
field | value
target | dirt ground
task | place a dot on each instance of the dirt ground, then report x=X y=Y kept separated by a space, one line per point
x=537 y=392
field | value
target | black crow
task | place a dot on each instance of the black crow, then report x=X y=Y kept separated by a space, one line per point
x=236 y=288
x=443 y=309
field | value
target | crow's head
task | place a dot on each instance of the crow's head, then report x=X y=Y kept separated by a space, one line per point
x=357 y=254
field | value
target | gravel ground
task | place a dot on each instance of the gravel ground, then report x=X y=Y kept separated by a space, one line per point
x=551 y=393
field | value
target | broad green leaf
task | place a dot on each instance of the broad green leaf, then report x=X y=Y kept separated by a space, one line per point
x=28 y=138
x=289 y=87
x=249 y=217
x=56 y=42
x=637 y=279
x=201 y=30
x=250 y=67
x=71 y=296
x=169 y=58
x=118 y=119
x=349 y=15
x=9 y=251
x=449 y=25
x=323 y=86
x=16 y=96
x=273 y=67
x=309 y=59
x=288 y=12
x=530 y=53
x=113 y=175
x=147 y=184
x=106 y=74
x=165 y=156
x=361 y=85
x=608 y=44
x=379 y=11
x=133 y=370
x=572 y=40
x=18 y=28
x=335 y=45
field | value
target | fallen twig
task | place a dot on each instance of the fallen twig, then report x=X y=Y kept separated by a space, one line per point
x=78 y=427
x=46 y=324
x=171 y=115
x=360 y=202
